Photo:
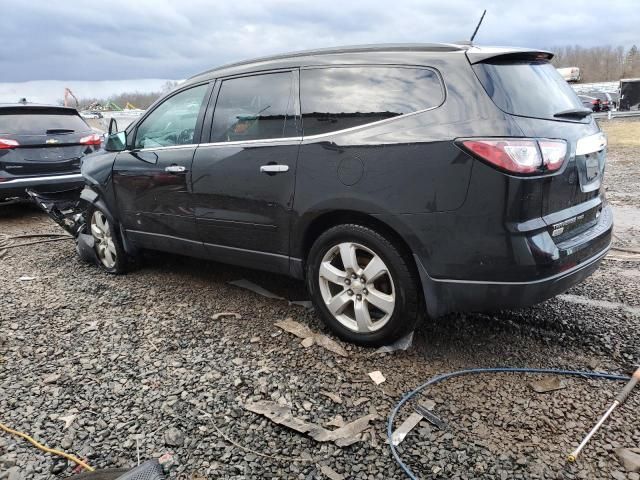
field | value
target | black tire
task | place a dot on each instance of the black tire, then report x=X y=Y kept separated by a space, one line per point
x=407 y=309
x=120 y=258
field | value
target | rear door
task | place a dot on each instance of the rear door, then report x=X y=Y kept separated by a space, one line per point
x=152 y=181
x=50 y=140
x=244 y=178
x=545 y=106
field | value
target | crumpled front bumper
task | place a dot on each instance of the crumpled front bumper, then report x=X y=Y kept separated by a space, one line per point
x=69 y=210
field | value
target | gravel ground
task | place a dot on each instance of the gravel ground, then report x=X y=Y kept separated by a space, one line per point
x=138 y=361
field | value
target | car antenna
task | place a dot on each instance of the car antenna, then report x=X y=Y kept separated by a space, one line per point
x=477 y=27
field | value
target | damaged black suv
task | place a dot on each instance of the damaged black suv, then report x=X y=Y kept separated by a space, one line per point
x=397 y=180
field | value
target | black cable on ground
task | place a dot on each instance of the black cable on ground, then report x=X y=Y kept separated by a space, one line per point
x=473 y=371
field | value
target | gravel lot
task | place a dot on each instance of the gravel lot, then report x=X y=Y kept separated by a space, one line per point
x=138 y=360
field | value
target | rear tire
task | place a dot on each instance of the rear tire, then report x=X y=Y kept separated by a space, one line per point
x=107 y=243
x=363 y=285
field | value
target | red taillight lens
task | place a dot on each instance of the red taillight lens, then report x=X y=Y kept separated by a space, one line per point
x=91 y=140
x=514 y=155
x=594 y=102
x=7 y=143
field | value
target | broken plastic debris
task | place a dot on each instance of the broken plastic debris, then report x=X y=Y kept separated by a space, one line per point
x=401 y=344
x=630 y=458
x=330 y=473
x=216 y=316
x=430 y=417
x=26 y=278
x=304 y=332
x=336 y=398
x=342 y=437
x=246 y=284
x=302 y=303
x=547 y=384
x=68 y=420
x=377 y=377
x=403 y=430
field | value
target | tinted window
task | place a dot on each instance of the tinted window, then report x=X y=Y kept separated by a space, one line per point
x=339 y=98
x=527 y=88
x=33 y=123
x=173 y=122
x=256 y=107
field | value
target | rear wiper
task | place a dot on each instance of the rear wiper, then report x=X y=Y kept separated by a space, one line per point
x=574 y=112
x=55 y=131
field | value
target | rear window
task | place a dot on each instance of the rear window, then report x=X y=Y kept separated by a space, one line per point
x=36 y=123
x=343 y=97
x=527 y=88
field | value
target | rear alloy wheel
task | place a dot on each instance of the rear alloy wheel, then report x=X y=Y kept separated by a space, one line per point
x=106 y=243
x=356 y=287
x=363 y=285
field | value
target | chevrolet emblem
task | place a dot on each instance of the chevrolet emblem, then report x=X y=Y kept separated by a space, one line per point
x=52 y=140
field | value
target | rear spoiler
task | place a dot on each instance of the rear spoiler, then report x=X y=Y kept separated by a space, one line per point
x=45 y=109
x=482 y=54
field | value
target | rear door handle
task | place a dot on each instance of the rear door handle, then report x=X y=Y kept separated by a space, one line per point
x=273 y=169
x=175 y=169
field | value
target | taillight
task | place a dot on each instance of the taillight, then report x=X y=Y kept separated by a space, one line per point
x=7 y=143
x=93 y=139
x=594 y=102
x=515 y=155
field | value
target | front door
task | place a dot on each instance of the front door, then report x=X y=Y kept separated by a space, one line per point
x=244 y=178
x=152 y=181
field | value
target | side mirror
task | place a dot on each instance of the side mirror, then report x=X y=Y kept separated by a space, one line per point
x=116 y=142
x=113 y=126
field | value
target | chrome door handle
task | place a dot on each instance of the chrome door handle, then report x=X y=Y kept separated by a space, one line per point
x=274 y=168
x=175 y=169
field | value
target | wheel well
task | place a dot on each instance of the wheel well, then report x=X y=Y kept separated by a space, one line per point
x=341 y=217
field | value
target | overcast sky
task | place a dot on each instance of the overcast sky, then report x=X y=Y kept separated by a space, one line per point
x=126 y=39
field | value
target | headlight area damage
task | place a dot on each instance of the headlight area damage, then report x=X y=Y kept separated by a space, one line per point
x=69 y=209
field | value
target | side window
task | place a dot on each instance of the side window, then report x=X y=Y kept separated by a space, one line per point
x=172 y=122
x=343 y=97
x=255 y=107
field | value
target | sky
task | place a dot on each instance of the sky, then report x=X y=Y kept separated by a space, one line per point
x=131 y=39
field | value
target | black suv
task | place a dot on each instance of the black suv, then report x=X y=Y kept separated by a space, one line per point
x=396 y=180
x=41 y=146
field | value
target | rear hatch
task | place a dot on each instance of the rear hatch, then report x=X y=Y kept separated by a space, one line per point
x=43 y=140
x=526 y=86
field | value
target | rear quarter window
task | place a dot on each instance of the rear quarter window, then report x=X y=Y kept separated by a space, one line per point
x=337 y=98
x=36 y=123
x=529 y=88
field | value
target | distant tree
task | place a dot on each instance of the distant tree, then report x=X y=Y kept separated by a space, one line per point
x=599 y=64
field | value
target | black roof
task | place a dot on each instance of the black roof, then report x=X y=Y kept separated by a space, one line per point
x=318 y=56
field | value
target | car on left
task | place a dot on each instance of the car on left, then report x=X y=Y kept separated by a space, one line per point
x=41 y=147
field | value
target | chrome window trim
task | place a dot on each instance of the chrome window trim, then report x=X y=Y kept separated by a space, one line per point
x=74 y=176
x=168 y=147
x=367 y=125
x=252 y=142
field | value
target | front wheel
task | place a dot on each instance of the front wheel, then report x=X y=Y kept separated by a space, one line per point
x=107 y=244
x=363 y=285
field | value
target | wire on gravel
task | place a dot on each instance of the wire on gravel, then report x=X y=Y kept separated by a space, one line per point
x=475 y=371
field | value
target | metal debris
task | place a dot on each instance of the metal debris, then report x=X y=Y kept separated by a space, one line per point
x=342 y=437
x=246 y=284
x=377 y=377
x=403 y=430
x=217 y=316
x=430 y=417
x=548 y=384
x=304 y=332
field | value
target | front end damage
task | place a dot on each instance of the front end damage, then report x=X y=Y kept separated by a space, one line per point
x=70 y=209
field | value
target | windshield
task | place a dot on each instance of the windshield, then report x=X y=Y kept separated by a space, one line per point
x=527 y=88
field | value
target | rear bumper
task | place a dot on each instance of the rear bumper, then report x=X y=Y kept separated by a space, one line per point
x=16 y=186
x=578 y=258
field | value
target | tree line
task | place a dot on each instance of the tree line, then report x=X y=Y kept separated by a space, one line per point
x=599 y=64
